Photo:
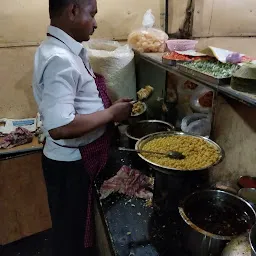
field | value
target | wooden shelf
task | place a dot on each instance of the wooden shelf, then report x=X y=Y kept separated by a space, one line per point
x=156 y=59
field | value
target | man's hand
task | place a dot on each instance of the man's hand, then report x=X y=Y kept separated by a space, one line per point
x=123 y=100
x=83 y=124
x=121 y=110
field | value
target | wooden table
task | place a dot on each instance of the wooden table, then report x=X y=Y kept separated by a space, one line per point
x=33 y=146
x=23 y=200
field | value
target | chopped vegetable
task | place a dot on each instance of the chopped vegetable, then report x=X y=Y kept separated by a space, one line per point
x=175 y=56
x=181 y=57
x=215 y=69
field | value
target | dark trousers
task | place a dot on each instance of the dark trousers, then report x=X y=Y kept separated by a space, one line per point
x=67 y=186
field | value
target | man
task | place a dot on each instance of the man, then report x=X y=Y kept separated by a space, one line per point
x=76 y=114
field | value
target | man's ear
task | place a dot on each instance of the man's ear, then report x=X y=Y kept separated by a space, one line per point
x=73 y=11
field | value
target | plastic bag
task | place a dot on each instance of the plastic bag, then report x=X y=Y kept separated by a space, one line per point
x=116 y=63
x=197 y=124
x=147 y=38
x=202 y=99
x=234 y=58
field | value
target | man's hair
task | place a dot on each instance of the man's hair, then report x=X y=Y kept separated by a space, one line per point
x=57 y=6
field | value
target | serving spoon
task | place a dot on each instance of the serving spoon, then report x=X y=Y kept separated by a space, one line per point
x=171 y=154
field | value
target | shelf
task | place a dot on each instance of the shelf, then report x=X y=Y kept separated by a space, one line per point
x=156 y=59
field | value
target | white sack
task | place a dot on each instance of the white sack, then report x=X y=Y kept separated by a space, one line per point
x=116 y=64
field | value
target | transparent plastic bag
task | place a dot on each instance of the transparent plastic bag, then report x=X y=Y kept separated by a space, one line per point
x=197 y=124
x=147 y=38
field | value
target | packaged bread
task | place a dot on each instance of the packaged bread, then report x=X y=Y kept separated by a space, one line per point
x=147 y=38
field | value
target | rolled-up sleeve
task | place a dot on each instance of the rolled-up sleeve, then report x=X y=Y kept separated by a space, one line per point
x=60 y=81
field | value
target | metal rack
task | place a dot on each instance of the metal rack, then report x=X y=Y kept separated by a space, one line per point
x=156 y=59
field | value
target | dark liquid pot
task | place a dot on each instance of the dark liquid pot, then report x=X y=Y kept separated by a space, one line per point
x=212 y=218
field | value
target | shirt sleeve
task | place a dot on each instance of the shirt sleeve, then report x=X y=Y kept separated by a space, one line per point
x=60 y=81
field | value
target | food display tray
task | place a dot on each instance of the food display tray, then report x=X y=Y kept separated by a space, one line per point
x=203 y=76
x=173 y=62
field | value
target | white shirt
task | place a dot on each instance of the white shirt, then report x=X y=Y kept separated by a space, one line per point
x=63 y=87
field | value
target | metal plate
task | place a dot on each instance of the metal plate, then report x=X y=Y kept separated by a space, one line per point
x=167 y=170
x=142 y=112
x=203 y=76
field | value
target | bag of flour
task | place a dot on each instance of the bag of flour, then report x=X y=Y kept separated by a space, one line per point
x=116 y=63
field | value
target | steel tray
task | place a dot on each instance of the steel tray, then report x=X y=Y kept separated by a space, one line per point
x=203 y=76
x=169 y=170
x=173 y=62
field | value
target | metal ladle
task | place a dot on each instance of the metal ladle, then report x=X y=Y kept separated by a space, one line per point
x=171 y=154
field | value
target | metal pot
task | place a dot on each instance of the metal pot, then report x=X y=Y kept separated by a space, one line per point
x=212 y=218
x=252 y=238
x=168 y=170
x=145 y=127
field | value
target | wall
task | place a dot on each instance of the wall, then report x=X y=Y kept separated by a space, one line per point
x=16 y=97
x=229 y=18
x=235 y=130
x=24 y=23
x=228 y=24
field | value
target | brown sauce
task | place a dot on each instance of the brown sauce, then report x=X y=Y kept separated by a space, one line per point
x=219 y=218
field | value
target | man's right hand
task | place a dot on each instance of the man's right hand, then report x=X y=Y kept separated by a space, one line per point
x=120 y=111
x=83 y=124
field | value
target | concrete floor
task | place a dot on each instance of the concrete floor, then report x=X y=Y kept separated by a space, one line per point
x=37 y=245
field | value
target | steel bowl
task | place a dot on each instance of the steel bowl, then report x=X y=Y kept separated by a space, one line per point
x=168 y=170
x=200 y=238
x=248 y=194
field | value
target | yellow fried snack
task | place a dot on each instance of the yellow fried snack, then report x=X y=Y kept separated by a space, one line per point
x=138 y=108
x=198 y=153
x=144 y=93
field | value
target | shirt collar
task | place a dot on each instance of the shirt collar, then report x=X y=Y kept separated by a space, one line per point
x=71 y=43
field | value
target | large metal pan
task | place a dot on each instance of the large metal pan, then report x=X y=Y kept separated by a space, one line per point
x=199 y=239
x=167 y=170
x=252 y=238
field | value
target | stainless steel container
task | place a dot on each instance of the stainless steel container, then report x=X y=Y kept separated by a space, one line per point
x=252 y=238
x=248 y=194
x=145 y=127
x=169 y=170
x=212 y=218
